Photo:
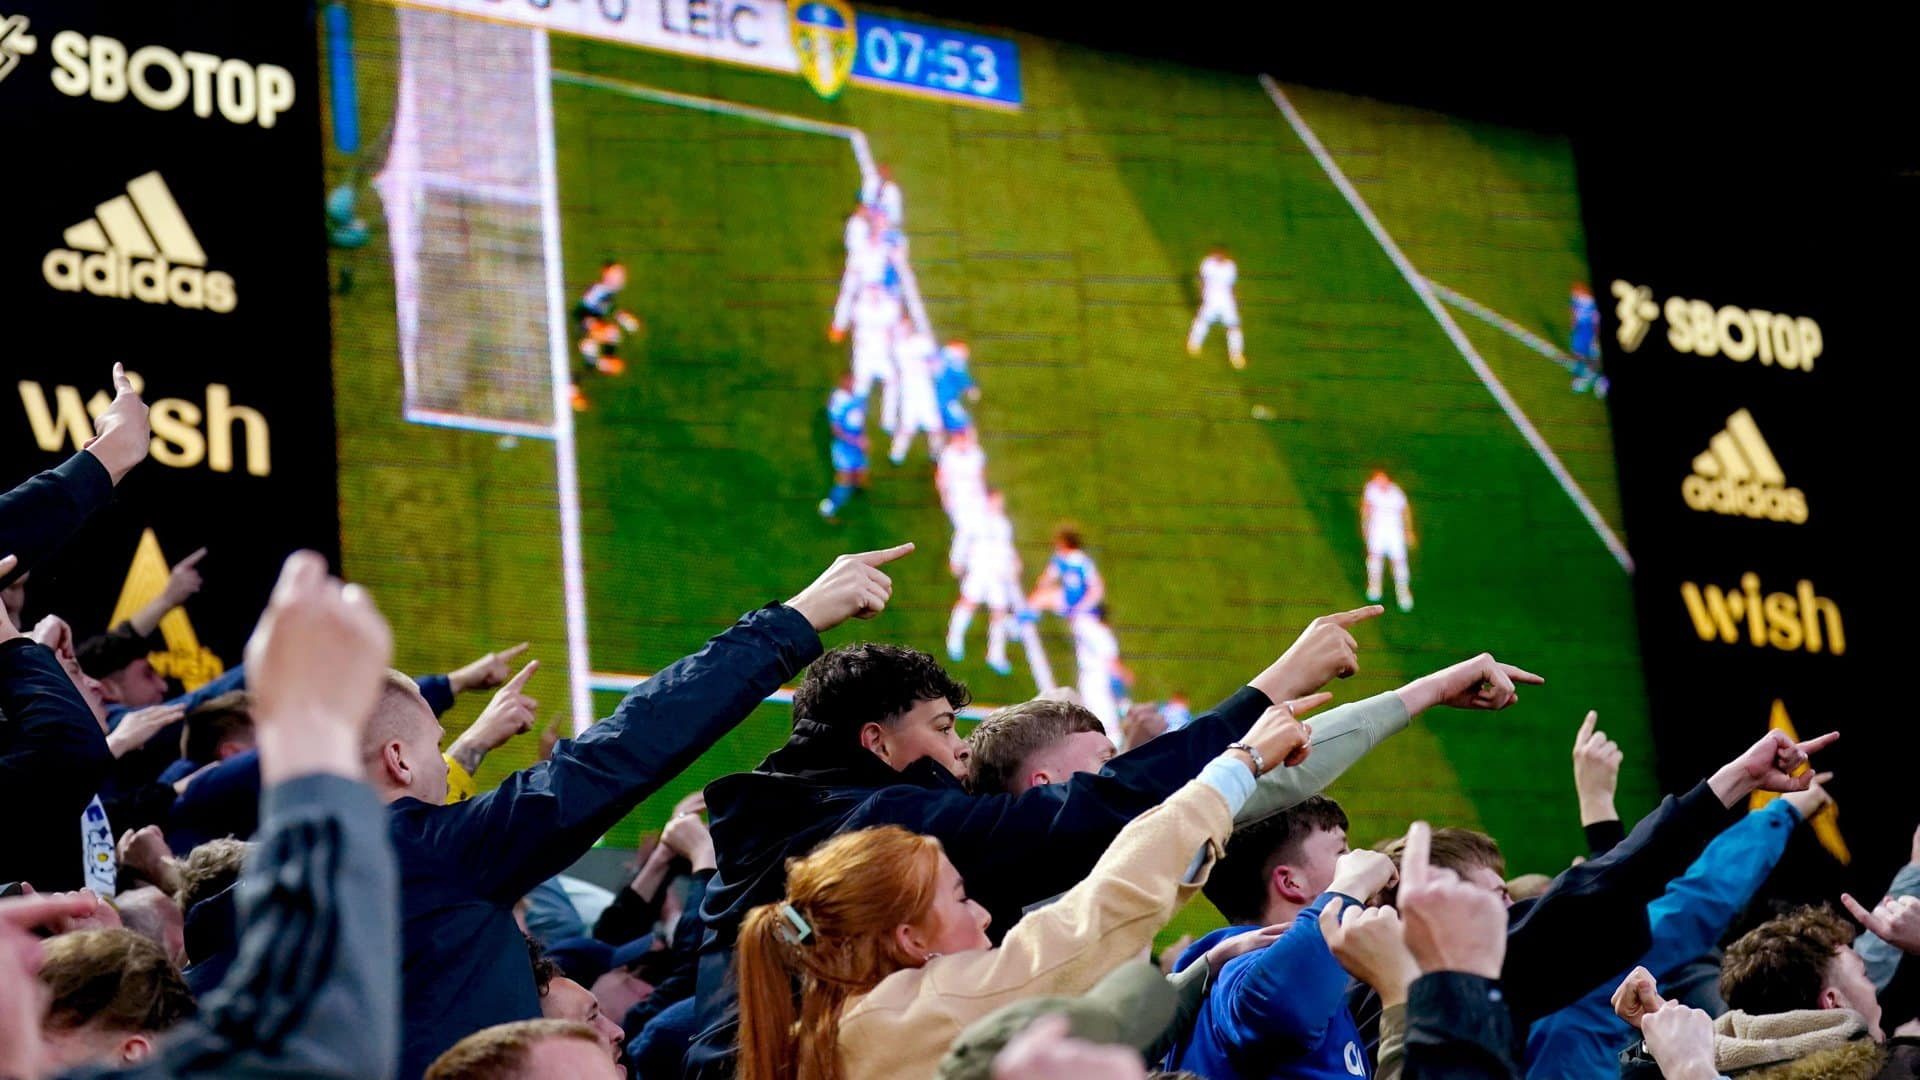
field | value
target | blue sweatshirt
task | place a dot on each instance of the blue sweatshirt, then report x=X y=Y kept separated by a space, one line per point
x=1277 y=1012
x=1585 y=1038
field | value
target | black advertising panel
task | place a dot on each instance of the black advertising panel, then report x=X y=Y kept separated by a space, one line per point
x=1756 y=417
x=163 y=176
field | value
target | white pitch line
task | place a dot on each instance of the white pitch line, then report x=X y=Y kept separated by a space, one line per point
x=857 y=139
x=1500 y=322
x=1452 y=329
x=464 y=422
x=566 y=456
x=707 y=104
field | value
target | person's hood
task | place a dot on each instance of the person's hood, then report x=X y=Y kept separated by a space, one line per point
x=799 y=796
x=1803 y=1043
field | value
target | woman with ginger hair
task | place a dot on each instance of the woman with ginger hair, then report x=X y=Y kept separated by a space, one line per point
x=893 y=960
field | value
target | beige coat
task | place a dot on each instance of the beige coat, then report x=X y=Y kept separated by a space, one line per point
x=901 y=1028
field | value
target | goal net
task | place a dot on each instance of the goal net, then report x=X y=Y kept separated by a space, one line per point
x=461 y=190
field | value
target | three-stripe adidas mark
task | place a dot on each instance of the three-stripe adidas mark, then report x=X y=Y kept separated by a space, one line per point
x=138 y=246
x=1738 y=476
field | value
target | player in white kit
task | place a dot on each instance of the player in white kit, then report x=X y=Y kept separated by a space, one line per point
x=879 y=192
x=989 y=571
x=988 y=566
x=910 y=398
x=1102 y=677
x=961 y=479
x=1386 y=521
x=874 y=318
x=866 y=265
x=1218 y=273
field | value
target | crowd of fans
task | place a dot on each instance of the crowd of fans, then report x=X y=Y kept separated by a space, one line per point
x=284 y=873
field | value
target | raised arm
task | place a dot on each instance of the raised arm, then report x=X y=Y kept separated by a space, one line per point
x=1345 y=735
x=1288 y=993
x=37 y=516
x=1595 y=913
x=539 y=820
x=315 y=987
x=1150 y=869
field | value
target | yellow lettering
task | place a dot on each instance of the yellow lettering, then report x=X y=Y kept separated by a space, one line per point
x=221 y=414
x=71 y=426
x=1817 y=611
x=176 y=433
x=1712 y=615
x=1783 y=622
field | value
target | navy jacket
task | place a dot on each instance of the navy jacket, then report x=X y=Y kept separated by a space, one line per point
x=225 y=800
x=1592 y=922
x=1014 y=850
x=1458 y=1028
x=37 y=516
x=464 y=962
x=53 y=758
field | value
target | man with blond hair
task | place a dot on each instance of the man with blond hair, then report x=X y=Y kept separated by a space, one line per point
x=527 y=1050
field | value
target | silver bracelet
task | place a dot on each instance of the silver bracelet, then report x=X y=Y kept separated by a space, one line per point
x=1259 y=763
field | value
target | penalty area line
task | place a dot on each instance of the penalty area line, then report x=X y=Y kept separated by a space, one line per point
x=1424 y=290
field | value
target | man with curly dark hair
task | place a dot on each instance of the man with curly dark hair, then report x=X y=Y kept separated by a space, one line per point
x=873 y=743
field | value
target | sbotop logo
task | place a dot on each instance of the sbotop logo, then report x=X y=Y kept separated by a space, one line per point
x=138 y=246
x=1738 y=476
x=104 y=69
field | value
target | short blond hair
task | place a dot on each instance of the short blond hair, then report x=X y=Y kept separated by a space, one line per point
x=399 y=700
x=500 y=1052
x=210 y=869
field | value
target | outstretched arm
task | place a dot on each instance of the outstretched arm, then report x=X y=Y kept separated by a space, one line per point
x=1345 y=735
x=315 y=986
x=539 y=820
x=37 y=516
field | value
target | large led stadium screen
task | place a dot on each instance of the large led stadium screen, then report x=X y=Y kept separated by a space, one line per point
x=617 y=484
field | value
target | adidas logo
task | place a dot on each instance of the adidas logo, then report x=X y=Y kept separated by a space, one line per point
x=1738 y=476
x=141 y=249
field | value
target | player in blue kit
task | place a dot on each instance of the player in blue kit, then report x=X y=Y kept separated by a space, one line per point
x=1585 y=342
x=953 y=387
x=1071 y=579
x=848 y=416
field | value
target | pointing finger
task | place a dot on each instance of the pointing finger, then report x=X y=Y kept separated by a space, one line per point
x=1867 y=918
x=885 y=555
x=1305 y=705
x=514 y=684
x=1521 y=675
x=7 y=563
x=121 y=384
x=1357 y=615
x=1586 y=728
x=1819 y=743
x=1413 y=860
x=188 y=562
x=511 y=653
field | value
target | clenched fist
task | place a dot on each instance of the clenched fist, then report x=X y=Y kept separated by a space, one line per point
x=315 y=665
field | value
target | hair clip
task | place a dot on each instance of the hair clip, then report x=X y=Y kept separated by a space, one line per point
x=801 y=930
